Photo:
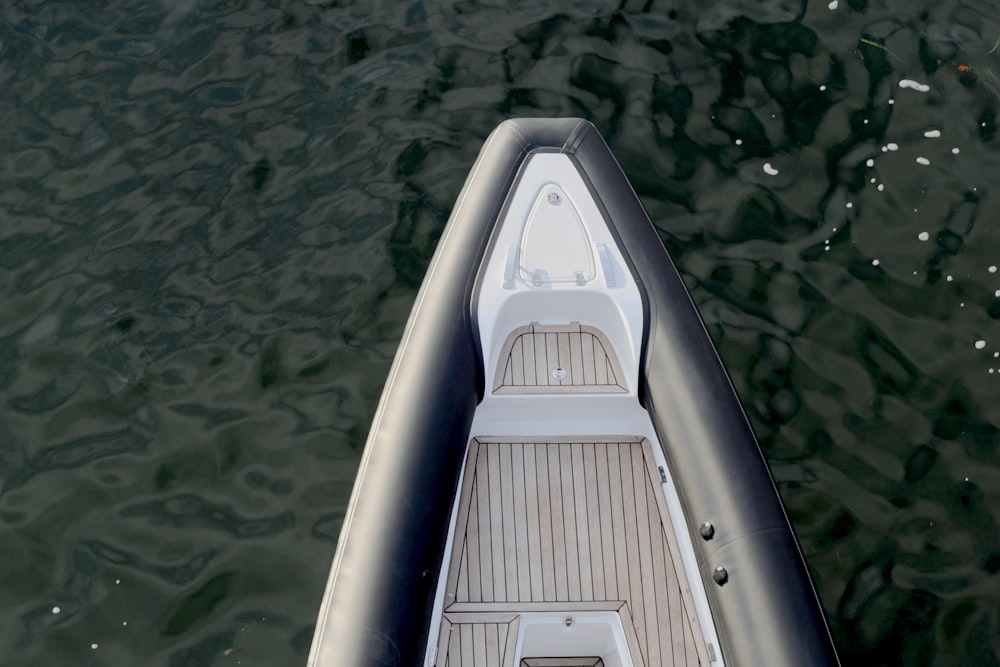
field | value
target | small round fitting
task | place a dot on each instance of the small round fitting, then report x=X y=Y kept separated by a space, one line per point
x=707 y=531
x=720 y=575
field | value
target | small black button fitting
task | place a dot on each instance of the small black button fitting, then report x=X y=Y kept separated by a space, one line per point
x=707 y=531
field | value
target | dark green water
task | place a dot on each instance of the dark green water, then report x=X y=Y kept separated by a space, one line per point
x=214 y=216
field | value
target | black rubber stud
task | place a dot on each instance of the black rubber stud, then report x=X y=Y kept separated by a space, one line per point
x=707 y=531
x=720 y=575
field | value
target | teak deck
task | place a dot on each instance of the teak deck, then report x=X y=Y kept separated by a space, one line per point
x=565 y=526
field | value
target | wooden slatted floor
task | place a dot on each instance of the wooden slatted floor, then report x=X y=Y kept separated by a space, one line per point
x=552 y=525
x=558 y=358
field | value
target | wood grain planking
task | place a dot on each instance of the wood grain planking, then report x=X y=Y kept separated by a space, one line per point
x=582 y=521
x=520 y=517
x=472 y=553
x=467 y=641
x=507 y=513
x=559 y=551
x=572 y=545
x=461 y=589
x=630 y=637
x=594 y=535
x=528 y=351
x=510 y=647
x=587 y=359
x=462 y=524
x=617 y=495
x=603 y=492
x=447 y=643
x=676 y=565
x=641 y=483
x=517 y=362
x=545 y=511
x=605 y=505
x=665 y=592
x=562 y=342
x=551 y=357
x=478 y=643
x=485 y=527
x=492 y=645
x=576 y=358
x=635 y=589
x=496 y=525
x=542 y=376
x=600 y=363
x=532 y=524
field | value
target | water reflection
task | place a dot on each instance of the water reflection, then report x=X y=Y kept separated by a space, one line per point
x=217 y=217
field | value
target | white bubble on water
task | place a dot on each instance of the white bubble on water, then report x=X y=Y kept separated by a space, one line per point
x=881 y=187
x=892 y=145
x=924 y=161
x=822 y=87
x=833 y=4
x=932 y=134
x=874 y=262
x=56 y=609
x=955 y=150
x=739 y=142
x=949 y=278
x=93 y=647
x=923 y=236
x=915 y=85
x=993 y=269
x=980 y=344
x=850 y=204
x=769 y=170
x=870 y=162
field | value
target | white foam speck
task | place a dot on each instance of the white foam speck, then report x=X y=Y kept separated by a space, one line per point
x=949 y=278
x=866 y=121
x=870 y=162
x=924 y=161
x=881 y=187
x=932 y=134
x=923 y=236
x=739 y=142
x=822 y=88
x=871 y=180
x=93 y=647
x=850 y=204
x=833 y=4
x=997 y=294
x=955 y=150
x=124 y=623
x=884 y=149
x=892 y=101
x=980 y=344
x=993 y=269
x=892 y=145
x=874 y=262
x=915 y=85
x=117 y=581
x=834 y=229
x=56 y=610
x=769 y=170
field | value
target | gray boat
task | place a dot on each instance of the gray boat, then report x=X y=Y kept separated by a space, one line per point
x=559 y=472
